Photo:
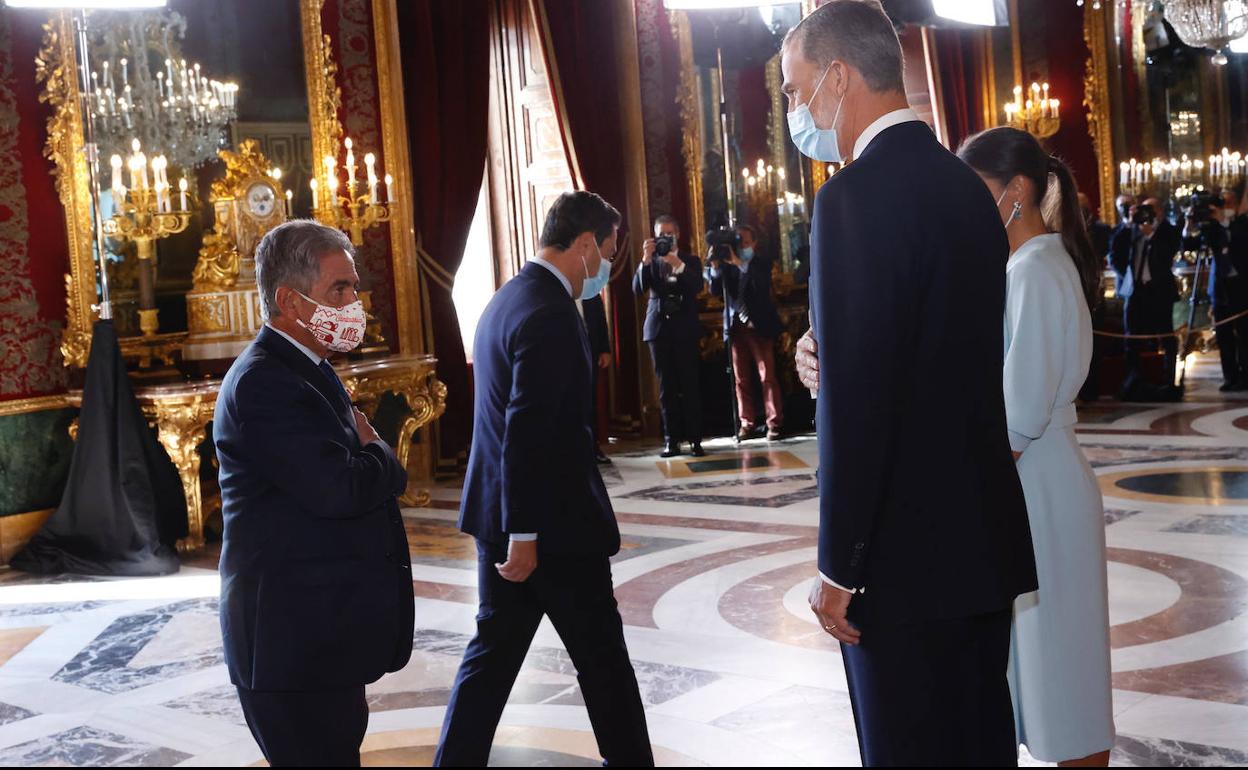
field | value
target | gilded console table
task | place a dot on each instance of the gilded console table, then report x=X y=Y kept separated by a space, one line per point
x=181 y=413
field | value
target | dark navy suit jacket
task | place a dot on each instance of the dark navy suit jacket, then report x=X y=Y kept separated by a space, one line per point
x=650 y=280
x=920 y=502
x=754 y=291
x=316 y=581
x=531 y=467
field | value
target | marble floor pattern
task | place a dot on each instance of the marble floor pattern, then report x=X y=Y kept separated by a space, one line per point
x=712 y=579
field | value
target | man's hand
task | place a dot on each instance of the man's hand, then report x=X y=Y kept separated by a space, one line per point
x=807 y=357
x=673 y=259
x=647 y=251
x=521 y=561
x=830 y=606
x=604 y=360
x=733 y=259
x=364 y=428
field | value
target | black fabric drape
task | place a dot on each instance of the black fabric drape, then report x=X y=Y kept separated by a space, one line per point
x=123 y=509
x=445 y=49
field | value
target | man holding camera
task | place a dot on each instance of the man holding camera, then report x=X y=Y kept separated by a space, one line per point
x=743 y=279
x=673 y=281
x=1143 y=256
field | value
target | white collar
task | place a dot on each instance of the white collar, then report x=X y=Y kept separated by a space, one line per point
x=888 y=120
x=563 y=279
x=307 y=351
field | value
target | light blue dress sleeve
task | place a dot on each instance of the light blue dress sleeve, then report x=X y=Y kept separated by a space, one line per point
x=1035 y=312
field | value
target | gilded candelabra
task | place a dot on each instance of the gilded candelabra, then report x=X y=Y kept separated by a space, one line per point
x=1038 y=115
x=356 y=211
x=144 y=214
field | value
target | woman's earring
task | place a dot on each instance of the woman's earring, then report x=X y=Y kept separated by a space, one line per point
x=1017 y=213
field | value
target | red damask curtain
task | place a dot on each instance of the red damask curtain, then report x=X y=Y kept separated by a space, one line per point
x=959 y=60
x=445 y=48
x=581 y=50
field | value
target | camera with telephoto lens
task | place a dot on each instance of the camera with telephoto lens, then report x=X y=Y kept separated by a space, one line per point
x=1199 y=207
x=718 y=243
x=664 y=245
x=1144 y=214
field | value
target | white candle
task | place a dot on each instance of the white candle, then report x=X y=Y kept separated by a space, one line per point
x=350 y=167
x=369 y=161
x=169 y=74
x=134 y=173
x=389 y=181
x=315 y=203
x=182 y=192
x=115 y=162
x=1122 y=172
x=125 y=73
x=290 y=203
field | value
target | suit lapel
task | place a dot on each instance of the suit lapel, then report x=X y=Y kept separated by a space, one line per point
x=275 y=344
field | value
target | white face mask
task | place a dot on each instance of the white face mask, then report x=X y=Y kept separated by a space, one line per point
x=1014 y=213
x=341 y=329
x=816 y=143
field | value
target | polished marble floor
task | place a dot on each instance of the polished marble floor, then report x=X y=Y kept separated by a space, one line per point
x=711 y=582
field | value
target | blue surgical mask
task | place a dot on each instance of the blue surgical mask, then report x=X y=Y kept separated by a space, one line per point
x=747 y=253
x=816 y=143
x=594 y=285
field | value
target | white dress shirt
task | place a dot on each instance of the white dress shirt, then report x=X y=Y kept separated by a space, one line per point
x=877 y=127
x=888 y=120
x=307 y=351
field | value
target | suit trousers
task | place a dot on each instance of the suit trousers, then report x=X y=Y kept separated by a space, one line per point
x=1232 y=337
x=676 y=363
x=1148 y=311
x=321 y=728
x=933 y=694
x=751 y=353
x=577 y=595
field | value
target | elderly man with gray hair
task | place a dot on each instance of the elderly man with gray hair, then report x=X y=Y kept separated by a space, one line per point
x=316 y=583
x=923 y=534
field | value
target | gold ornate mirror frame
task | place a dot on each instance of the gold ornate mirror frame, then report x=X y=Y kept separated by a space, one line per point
x=1096 y=98
x=689 y=99
x=56 y=70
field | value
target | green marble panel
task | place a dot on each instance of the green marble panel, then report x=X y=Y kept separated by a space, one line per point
x=35 y=450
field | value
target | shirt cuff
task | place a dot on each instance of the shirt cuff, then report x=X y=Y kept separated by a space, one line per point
x=523 y=537
x=835 y=584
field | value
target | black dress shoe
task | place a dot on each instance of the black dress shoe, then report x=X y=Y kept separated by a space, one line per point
x=601 y=458
x=1229 y=386
x=670 y=449
x=698 y=451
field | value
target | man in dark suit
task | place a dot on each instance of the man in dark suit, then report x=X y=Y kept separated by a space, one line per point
x=536 y=503
x=1229 y=292
x=316 y=580
x=752 y=323
x=672 y=282
x=923 y=535
x=594 y=311
x=1143 y=257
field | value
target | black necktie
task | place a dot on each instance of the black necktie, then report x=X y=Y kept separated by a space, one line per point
x=328 y=371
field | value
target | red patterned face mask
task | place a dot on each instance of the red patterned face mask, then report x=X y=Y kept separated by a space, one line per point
x=341 y=329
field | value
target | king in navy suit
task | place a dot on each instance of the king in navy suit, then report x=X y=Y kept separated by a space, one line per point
x=536 y=503
x=924 y=541
x=316 y=581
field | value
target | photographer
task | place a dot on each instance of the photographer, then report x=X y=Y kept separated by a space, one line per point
x=1228 y=290
x=742 y=276
x=1143 y=257
x=673 y=280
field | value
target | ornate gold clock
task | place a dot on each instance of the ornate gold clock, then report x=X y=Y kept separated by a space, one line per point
x=223 y=308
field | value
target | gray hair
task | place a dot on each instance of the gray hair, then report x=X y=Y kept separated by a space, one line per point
x=290 y=255
x=857 y=32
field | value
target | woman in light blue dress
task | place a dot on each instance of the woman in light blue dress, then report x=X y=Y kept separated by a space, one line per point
x=1059 y=657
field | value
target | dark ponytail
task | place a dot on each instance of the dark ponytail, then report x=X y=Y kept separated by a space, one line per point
x=1070 y=223
x=1004 y=153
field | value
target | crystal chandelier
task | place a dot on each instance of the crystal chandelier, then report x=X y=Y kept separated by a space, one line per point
x=144 y=89
x=1209 y=23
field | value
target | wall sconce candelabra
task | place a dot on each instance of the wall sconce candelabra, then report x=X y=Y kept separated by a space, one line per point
x=1038 y=115
x=145 y=213
x=356 y=211
x=1164 y=175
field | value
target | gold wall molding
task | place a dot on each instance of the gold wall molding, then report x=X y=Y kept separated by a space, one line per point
x=1097 y=101
x=321 y=75
x=56 y=69
x=37 y=404
x=689 y=99
x=397 y=157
